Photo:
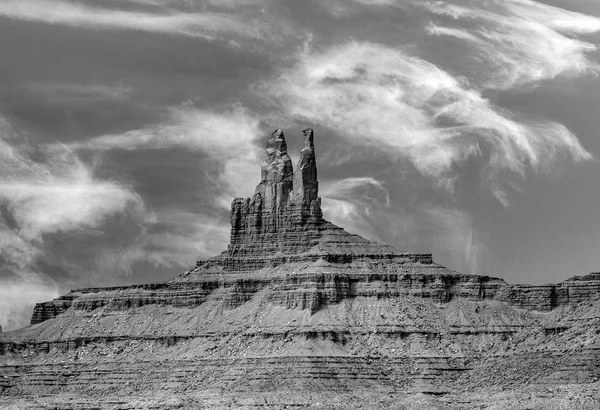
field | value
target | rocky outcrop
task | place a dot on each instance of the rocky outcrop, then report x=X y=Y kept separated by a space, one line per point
x=306 y=185
x=283 y=221
x=283 y=217
x=277 y=176
x=309 y=288
x=300 y=306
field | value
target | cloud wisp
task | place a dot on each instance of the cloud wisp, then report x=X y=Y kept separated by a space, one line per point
x=228 y=139
x=450 y=232
x=176 y=239
x=59 y=195
x=17 y=300
x=381 y=98
x=518 y=41
x=73 y=93
x=362 y=205
x=351 y=203
x=55 y=193
x=205 y=24
x=514 y=42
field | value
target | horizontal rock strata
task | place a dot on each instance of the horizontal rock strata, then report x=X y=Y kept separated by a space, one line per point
x=304 y=290
x=298 y=312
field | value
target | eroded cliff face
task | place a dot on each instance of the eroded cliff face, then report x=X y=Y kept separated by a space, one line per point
x=299 y=312
x=284 y=216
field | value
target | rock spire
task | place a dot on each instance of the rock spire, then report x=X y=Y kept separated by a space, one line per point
x=280 y=187
x=284 y=214
x=306 y=186
x=277 y=174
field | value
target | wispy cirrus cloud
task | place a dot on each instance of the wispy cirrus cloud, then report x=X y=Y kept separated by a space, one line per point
x=17 y=300
x=348 y=187
x=433 y=29
x=518 y=41
x=513 y=42
x=204 y=24
x=383 y=99
x=354 y=202
x=60 y=194
x=16 y=252
x=199 y=4
x=53 y=193
x=345 y=8
x=74 y=93
x=221 y=133
x=450 y=232
x=185 y=236
x=228 y=138
x=176 y=239
x=362 y=205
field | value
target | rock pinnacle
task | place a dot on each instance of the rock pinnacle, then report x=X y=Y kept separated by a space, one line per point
x=306 y=186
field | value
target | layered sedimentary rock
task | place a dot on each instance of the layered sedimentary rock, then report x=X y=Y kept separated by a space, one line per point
x=298 y=312
x=283 y=217
x=306 y=185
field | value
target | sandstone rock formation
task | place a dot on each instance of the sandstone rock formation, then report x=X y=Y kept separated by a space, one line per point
x=284 y=216
x=297 y=312
x=306 y=186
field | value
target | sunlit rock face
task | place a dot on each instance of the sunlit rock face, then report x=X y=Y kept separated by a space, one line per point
x=298 y=312
x=283 y=221
x=284 y=215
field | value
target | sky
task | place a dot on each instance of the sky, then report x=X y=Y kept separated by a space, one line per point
x=465 y=128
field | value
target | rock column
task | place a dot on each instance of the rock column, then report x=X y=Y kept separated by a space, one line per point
x=306 y=186
x=284 y=215
x=277 y=174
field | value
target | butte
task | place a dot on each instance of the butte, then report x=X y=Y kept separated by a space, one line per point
x=299 y=313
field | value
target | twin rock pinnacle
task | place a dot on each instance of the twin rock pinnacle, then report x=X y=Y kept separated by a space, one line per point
x=280 y=186
x=284 y=216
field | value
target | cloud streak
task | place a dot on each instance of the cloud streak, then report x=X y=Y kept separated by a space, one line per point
x=353 y=202
x=228 y=138
x=514 y=42
x=450 y=232
x=176 y=238
x=59 y=195
x=206 y=24
x=55 y=193
x=519 y=41
x=381 y=98
x=362 y=205
x=17 y=301
x=72 y=93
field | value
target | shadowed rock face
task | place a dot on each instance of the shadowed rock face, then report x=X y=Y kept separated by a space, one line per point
x=284 y=215
x=273 y=192
x=306 y=186
x=283 y=221
x=298 y=312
